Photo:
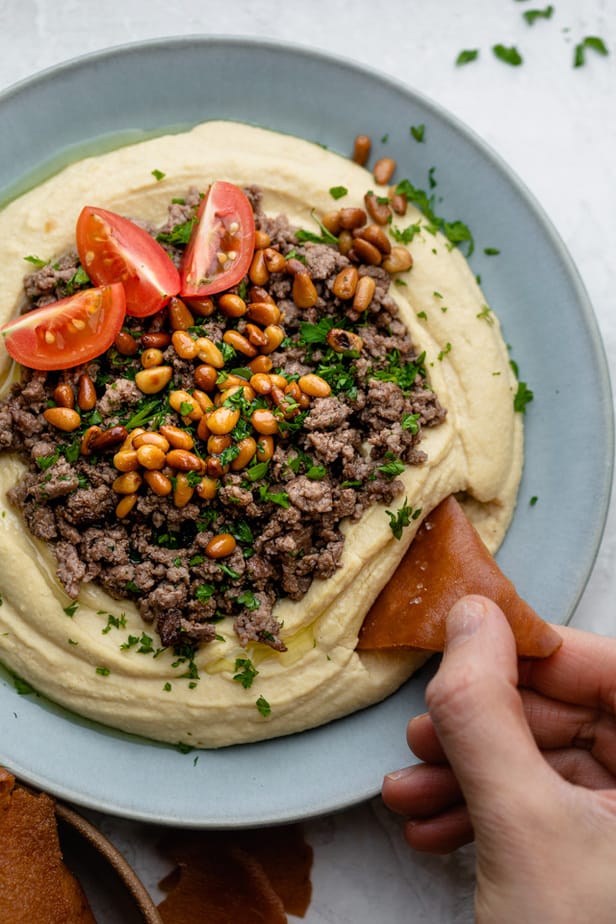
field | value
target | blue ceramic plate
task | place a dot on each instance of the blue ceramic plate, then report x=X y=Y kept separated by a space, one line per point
x=135 y=91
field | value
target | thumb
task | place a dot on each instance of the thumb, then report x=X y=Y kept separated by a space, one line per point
x=477 y=711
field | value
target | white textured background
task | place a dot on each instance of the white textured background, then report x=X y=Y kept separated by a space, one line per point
x=555 y=126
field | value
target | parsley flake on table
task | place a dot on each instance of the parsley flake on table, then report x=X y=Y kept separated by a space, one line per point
x=523 y=396
x=531 y=16
x=507 y=53
x=418 y=132
x=594 y=43
x=466 y=56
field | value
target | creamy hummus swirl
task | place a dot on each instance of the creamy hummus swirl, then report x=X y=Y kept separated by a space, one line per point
x=477 y=451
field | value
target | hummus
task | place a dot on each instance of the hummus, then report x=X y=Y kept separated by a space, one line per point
x=476 y=452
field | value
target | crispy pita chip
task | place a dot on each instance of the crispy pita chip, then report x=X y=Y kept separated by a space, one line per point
x=446 y=560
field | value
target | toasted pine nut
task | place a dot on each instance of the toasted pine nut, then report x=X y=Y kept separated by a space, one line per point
x=260 y=364
x=207 y=488
x=376 y=236
x=222 y=396
x=247 y=447
x=261 y=383
x=351 y=218
x=158 y=482
x=151 y=357
x=304 y=293
x=223 y=419
x=364 y=293
x=367 y=252
x=383 y=170
x=124 y=507
x=183 y=491
x=85 y=448
x=345 y=283
x=159 y=339
x=203 y=431
x=263 y=421
x=258 y=272
x=183 y=344
x=285 y=403
x=180 y=316
x=361 y=149
x=398 y=261
x=314 y=385
x=185 y=405
x=205 y=376
x=151 y=457
x=265 y=447
x=203 y=399
x=345 y=242
x=274 y=260
x=278 y=380
x=295 y=266
x=275 y=336
x=399 y=203
x=128 y=442
x=184 y=460
x=63 y=418
x=86 y=393
x=264 y=312
x=218 y=442
x=378 y=211
x=108 y=439
x=343 y=341
x=125 y=343
x=204 y=307
x=127 y=483
x=255 y=335
x=262 y=239
x=220 y=546
x=208 y=352
x=63 y=395
x=215 y=468
x=151 y=438
x=239 y=343
x=125 y=460
x=176 y=437
x=151 y=381
x=331 y=221
x=231 y=305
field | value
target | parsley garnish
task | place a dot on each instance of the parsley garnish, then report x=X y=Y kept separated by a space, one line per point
x=491 y=251
x=178 y=236
x=397 y=521
x=457 y=232
x=418 y=132
x=248 y=600
x=531 y=16
x=591 y=41
x=316 y=333
x=246 y=672
x=410 y=422
x=326 y=237
x=405 y=235
x=103 y=671
x=36 y=261
x=71 y=608
x=337 y=192
x=22 y=686
x=392 y=468
x=158 y=175
x=263 y=706
x=523 y=396
x=466 y=56
x=281 y=497
x=403 y=374
x=508 y=54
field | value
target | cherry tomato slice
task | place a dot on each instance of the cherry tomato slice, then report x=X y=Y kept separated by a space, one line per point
x=222 y=242
x=69 y=332
x=113 y=249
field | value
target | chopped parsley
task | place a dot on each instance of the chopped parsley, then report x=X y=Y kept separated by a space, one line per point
x=533 y=500
x=398 y=521
x=594 y=43
x=71 y=608
x=103 y=671
x=491 y=251
x=245 y=672
x=392 y=468
x=456 y=232
x=337 y=192
x=178 y=236
x=410 y=422
x=36 y=261
x=114 y=622
x=158 y=175
x=523 y=396
x=418 y=132
x=405 y=235
x=22 y=686
x=531 y=16
x=248 y=600
x=316 y=333
x=509 y=54
x=466 y=56
x=276 y=497
x=325 y=237
x=402 y=373
x=264 y=707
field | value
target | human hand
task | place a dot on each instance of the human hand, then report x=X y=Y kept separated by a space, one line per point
x=530 y=774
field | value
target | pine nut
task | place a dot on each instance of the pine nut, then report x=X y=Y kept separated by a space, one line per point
x=263 y=421
x=207 y=488
x=180 y=316
x=262 y=239
x=203 y=431
x=398 y=261
x=185 y=405
x=63 y=395
x=345 y=283
x=125 y=343
x=223 y=419
x=208 y=352
x=204 y=307
x=263 y=312
x=125 y=460
x=205 y=377
x=63 y=418
x=153 y=356
x=159 y=339
x=260 y=364
x=176 y=437
x=379 y=211
x=151 y=381
x=150 y=438
x=376 y=236
x=218 y=442
x=274 y=260
x=239 y=343
x=232 y=306
x=399 y=203
x=108 y=439
x=255 y=335
x=351 y=218
x=220 y=546
x=127 y=483
x=344 y=341
x=86 y=393
x=158 y=483
x=261 y=383
x=184 y=461
x=278 y=380
x=361 y=149
x=183 y=344
x=215 y=468
x=331 y=221
x=124 y=507
x=275 y=336
x=151 y=457
x=383 y=170
x=203 y=400
x=367 y=252
x=183 y=491
x=247 y=448
x=304 y=293
x=314 y=385
x=364 y=293
x=85 y=448
x=345 y=242
x=265 y=447
x=258 y=272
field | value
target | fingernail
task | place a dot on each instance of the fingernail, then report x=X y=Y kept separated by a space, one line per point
x=400 y=774
x=463 y=621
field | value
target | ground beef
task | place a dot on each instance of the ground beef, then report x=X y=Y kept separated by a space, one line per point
x=331 y=459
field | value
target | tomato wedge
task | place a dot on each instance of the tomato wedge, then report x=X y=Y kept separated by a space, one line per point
x=222 y=242
x=113 y=249
x=69 y=332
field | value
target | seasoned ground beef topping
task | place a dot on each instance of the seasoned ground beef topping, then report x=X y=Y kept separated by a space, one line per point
x=204 y=465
